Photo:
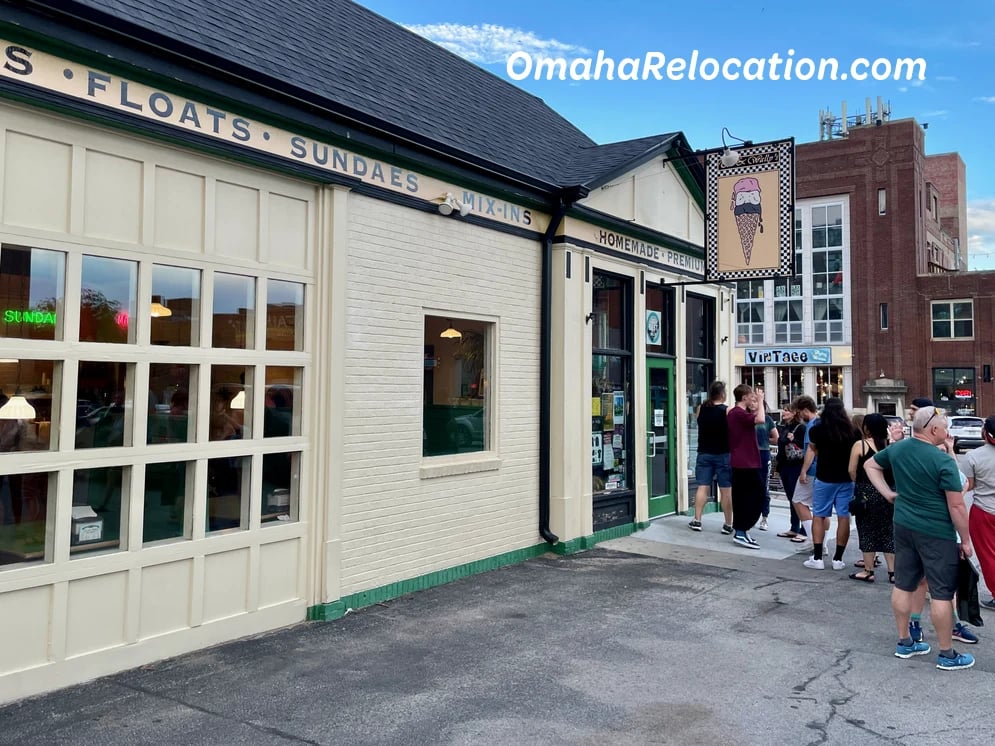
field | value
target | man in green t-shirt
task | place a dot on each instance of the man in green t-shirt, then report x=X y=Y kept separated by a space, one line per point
x=929 y=514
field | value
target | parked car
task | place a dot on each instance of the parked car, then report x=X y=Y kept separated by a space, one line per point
x=966 y=432
x=469 y=429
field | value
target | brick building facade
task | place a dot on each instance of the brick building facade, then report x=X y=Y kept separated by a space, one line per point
x=920 y=323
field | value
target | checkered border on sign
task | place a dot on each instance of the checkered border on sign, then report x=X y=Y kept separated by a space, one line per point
x=785 y=150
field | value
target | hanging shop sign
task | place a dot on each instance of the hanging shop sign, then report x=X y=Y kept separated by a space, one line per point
x=790 y=356
x=749 y=230
x=77 y=81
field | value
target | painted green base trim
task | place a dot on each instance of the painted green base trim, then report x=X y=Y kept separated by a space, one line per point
x=588 y=542
x=337 y=609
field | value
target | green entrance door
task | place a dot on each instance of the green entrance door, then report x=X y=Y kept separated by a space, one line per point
x=661 y=448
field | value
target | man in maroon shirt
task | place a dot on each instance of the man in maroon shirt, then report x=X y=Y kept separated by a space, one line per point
x=744 y=458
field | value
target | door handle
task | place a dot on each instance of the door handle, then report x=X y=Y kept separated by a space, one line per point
x=651 y=442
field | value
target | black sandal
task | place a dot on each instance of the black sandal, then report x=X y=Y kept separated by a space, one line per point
x=868 y=576
x=891 y=577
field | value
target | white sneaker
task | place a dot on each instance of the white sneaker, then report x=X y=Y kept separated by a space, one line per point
x=814 y=564
x=838 y=564
x=763 y=524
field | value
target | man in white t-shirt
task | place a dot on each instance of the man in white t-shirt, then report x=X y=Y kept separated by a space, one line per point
x=979 y=468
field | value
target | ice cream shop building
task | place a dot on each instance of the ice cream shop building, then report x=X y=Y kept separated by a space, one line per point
x=299 y=312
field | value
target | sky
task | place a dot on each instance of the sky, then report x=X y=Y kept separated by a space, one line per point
x=955 y=39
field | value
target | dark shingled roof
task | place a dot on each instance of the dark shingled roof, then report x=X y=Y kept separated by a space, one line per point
x=351 y=57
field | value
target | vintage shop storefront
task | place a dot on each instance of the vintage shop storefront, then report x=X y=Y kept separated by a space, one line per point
x=196 y=449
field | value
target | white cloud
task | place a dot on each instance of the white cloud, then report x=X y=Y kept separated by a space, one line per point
x=981 y=234
x=489 y=43
x=985 y=99
x=941 y=113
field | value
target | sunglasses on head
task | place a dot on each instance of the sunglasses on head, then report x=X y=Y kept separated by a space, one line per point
x=936 y=411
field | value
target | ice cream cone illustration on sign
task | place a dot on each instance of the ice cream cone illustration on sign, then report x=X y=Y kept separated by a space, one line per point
x=748 y=211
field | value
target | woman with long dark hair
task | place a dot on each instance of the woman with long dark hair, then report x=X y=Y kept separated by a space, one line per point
x=831 y=441
x=873 y=512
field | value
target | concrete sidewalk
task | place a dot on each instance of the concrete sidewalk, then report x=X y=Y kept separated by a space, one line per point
x=638 y=641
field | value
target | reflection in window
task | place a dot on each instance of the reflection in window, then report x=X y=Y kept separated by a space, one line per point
x=23 y=516
x=456 y=409
x=26 y=404
x=96 y=510
x=282 y=413
x=170 y=412
x=284 y=315
x=32 y=283
x=175 y=306
x=104 y=405
x=954 y=389
x=227 y=493
x=953 y=319
x=231 y=402
x=234 y=311
x=167 y=490
x=280 y=481
x=107 y=300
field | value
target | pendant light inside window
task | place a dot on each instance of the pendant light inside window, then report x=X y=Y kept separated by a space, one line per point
x=17 y=407
x=451 y=332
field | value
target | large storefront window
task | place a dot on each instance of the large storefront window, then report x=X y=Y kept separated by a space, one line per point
x=137 y=410
x=789 y=385
x=612 y=463
x=456 y=405
x=700 y=343
x=828 y=382
x=753 y=377
x=954 y=389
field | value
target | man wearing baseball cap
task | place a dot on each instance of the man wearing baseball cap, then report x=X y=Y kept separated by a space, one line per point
x=979 y=468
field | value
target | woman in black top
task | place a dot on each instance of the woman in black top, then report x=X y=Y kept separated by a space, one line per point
x=874 y=514
x=790 y=452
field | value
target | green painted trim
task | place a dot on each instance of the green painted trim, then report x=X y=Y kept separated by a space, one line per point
x=583 y=543
x=337 y=609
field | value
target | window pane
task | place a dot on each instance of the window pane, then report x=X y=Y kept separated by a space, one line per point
x=963 y=310
x=23 y=516
x=941 y=329
x=835 y=237
x=175 y=306
x=32 y=283
x=107 y=300
x=609 y=325
x=104 y=405
x=227 y=493
x=941 y=311
x=456 y=408
x=280 y=481
x=610 y=385
x=168 y=488
x=26 y=404
x=96 y=511
x=818 y=238
x=231 y=402
x=282 y=415
x=963 y=328
x=171 y=417
x=234 y=311
x=284 y=315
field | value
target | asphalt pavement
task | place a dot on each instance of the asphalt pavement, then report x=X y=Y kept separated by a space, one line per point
x=664 y=637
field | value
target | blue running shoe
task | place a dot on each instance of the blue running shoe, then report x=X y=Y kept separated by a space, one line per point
x=908 y=651
x=960 y=660
x=915 y=631
x=964 y=635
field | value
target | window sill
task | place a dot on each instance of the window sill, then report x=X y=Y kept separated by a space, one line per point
x=463 y=463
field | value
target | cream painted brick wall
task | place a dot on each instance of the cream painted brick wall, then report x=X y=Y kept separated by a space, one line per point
x=396 y=525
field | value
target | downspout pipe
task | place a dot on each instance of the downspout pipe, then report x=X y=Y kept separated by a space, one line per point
x=566 y=198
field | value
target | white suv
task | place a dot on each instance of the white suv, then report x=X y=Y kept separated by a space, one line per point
x=966 y=432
